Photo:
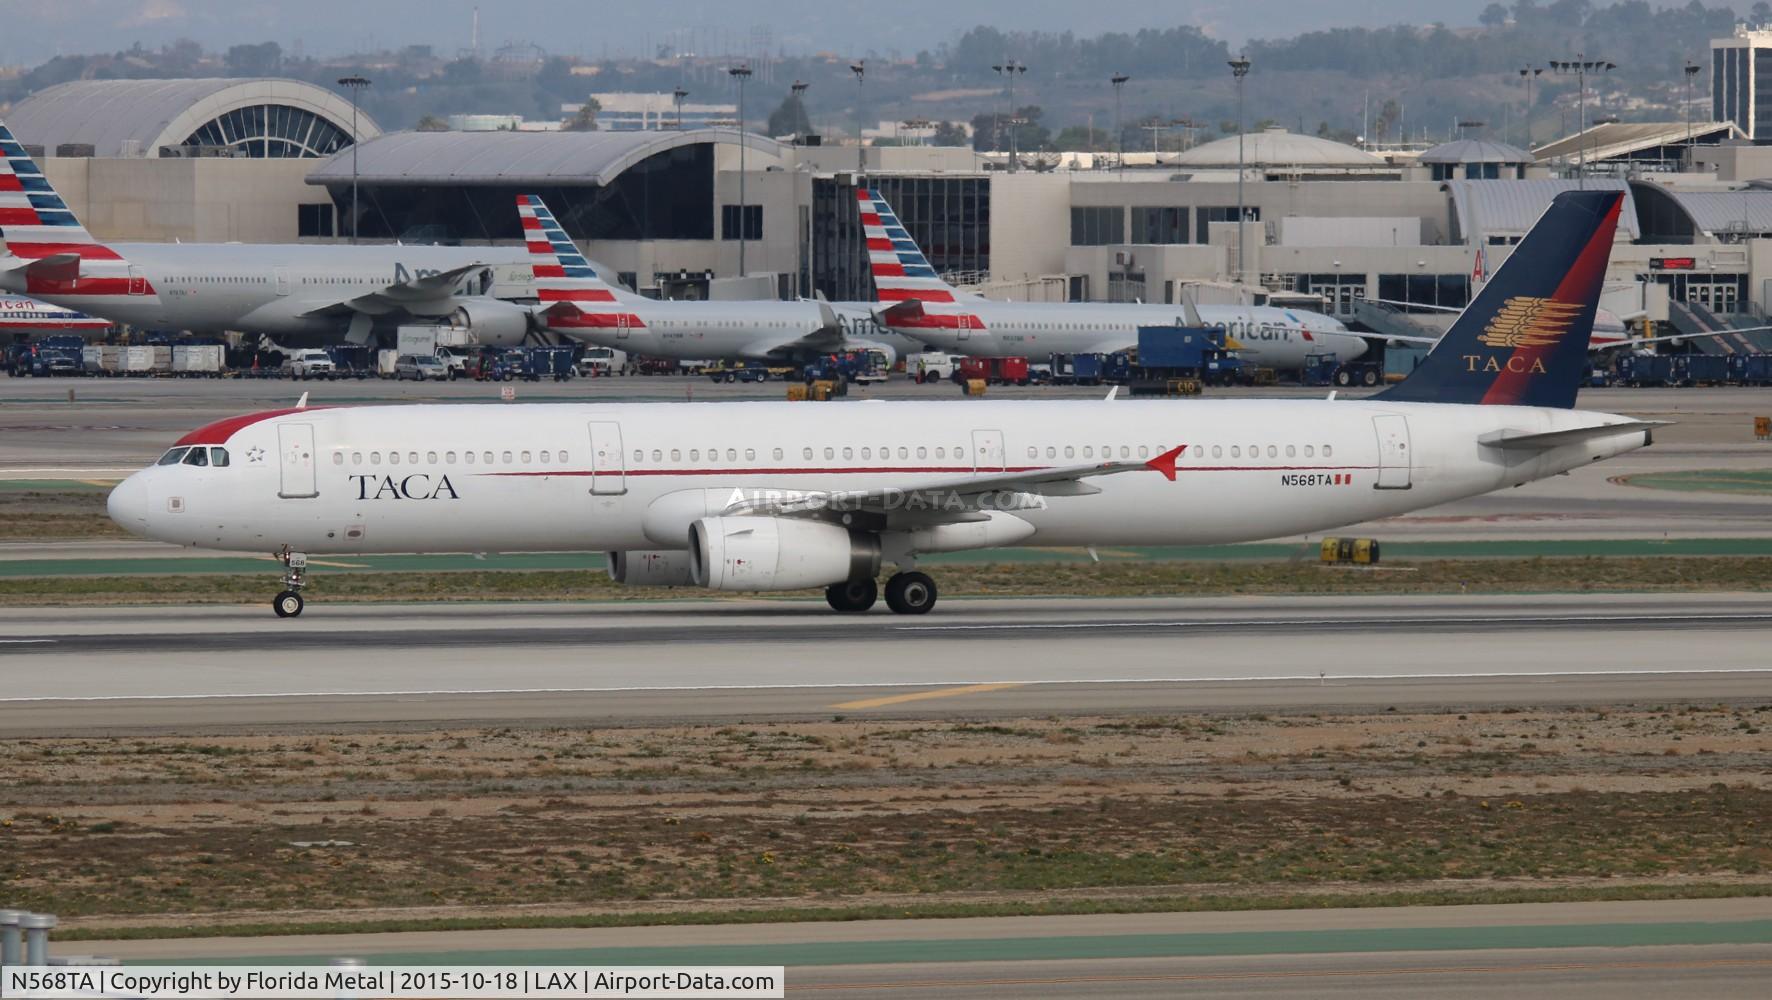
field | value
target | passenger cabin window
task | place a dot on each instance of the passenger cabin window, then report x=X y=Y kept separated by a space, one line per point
x=1328 y=451
x=393 y=458
x=338 y=458
x=468 y=456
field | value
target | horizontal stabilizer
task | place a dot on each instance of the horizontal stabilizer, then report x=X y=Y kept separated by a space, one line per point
x=60 y=267
x=1519 y=440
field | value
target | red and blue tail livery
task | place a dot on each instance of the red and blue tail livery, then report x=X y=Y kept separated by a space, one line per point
x=38 y=227
x=900 y=270
x=1524 y=340
x=565 y=282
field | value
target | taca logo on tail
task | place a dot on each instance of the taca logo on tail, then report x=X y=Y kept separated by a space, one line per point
x=1523 y=341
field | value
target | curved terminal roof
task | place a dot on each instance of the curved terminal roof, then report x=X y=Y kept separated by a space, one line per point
x=541 y=158
x=1475 y=151
x=1508 y=208
x=138 y=117
x=1276 y=147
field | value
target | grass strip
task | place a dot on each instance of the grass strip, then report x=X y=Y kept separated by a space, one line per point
x=1118 y=579
x=841 y=912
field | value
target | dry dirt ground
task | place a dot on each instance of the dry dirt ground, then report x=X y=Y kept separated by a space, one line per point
x=122 y=832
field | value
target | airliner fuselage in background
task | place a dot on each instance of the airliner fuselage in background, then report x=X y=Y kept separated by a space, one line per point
x=579 y=303
x=782 y=496
x=916 y=302
x=21 y=315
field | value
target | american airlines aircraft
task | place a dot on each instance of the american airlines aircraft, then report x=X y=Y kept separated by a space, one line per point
x=919 y=304
x=761 y=496
x=297 y=293
x=20 y=315
x=578 y=303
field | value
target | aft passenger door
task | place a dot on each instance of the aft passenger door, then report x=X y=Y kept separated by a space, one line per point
x=138 y=281
x=621 y=326
x=965 y=326
x=282 y=274
x=1393 y=452
x=608 y=468
x=295 y=449
x=987 y=451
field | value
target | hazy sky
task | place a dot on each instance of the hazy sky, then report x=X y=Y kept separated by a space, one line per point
x=34 y=30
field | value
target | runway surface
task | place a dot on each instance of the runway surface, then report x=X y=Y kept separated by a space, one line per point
x=76 y=669
x=1709 y=948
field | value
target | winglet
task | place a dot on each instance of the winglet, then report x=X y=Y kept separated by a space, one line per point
x=1165 y=463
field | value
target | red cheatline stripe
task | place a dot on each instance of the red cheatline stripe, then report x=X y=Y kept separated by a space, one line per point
x=66 y=324
x=898 y=470
x=935 y=321
x=574 y=295
x=925 y=294
x=86 y=251
x=35 y=285
x=597 y=321
x=221 y=430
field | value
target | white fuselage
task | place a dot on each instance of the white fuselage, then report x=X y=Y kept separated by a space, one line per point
x=573 y=477
x=273 y=289
x=1267 y=337
x=756 y=330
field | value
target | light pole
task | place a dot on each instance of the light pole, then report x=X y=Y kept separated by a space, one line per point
x=1528 y=74
x=1692 y=69
x=677 y=99
x=860 y=68
x=1119 y=82
x=741 y=73
x=354 y=84
x=1010 y=68
x=1240 y=69
x=1581 y=66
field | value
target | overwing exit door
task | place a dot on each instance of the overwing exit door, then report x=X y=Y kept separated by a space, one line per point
x=295 y=451
x=1393 y=452
x=608 y=467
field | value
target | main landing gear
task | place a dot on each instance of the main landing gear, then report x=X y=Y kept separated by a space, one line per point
x=289 y=603
x=908 y=593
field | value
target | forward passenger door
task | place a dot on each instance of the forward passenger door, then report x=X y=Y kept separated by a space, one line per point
x=608 y=466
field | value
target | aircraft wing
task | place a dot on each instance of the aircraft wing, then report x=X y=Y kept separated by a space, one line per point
x=431 y=295
x=952 y=500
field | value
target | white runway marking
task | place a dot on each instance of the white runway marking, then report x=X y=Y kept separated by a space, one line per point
x=1351 y=620
x=24 y=642
x=1315 y=679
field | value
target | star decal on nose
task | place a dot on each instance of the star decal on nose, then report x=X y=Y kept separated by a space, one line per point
x=255 y=454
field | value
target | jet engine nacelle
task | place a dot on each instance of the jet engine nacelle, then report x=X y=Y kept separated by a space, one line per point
x=492 y=322
x=778 y=553
x=650 y=569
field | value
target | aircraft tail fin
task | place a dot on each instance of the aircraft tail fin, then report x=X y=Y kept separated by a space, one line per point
x=1523 y=340
x=34 y=221
x=571 y=293
x=901 y=272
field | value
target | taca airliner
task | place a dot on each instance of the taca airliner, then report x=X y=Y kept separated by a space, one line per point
x=761 y=496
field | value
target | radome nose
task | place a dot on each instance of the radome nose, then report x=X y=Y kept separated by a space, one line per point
x=128 y=504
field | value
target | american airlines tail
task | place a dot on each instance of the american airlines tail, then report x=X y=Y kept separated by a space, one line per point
x=571 y=294
x=1524 y=340
x=901 y=272
x=58 y=255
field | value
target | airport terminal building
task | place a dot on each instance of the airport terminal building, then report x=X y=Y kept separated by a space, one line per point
x=686 y=213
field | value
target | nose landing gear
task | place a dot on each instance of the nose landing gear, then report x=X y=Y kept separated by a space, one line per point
x=289 y=603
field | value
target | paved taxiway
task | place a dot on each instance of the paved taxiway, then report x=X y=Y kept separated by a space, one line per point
x=79 y=669
x=1615 y=950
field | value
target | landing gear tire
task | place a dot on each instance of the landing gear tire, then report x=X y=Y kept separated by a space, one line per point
x=910 y=593
x=287 y=604
x=853 y=596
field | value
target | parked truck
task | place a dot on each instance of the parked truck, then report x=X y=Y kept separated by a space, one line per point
x=993 y=371
x=1180 y=360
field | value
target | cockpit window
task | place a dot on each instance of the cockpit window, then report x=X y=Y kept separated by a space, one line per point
x=197 y=456
x=172 y=457
x=218 y=457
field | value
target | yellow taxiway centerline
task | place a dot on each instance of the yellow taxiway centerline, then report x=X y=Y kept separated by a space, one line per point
x=899 y=699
